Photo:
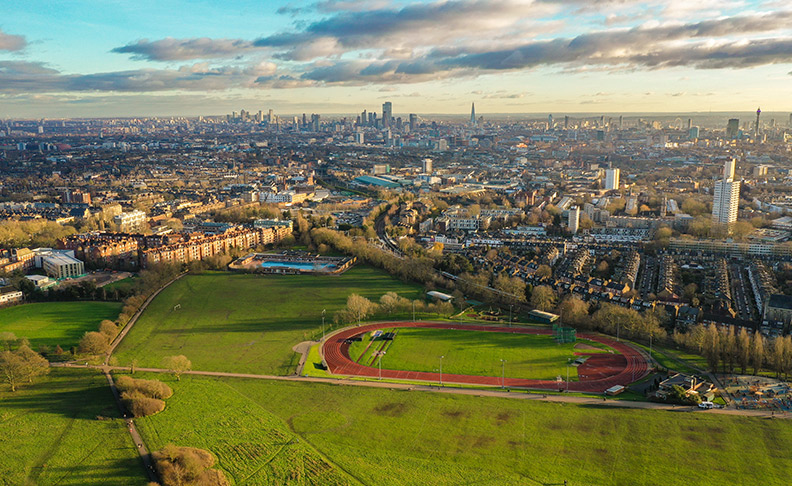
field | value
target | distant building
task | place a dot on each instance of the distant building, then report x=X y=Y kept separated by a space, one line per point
x=612 y=179
x=9 y=295
x=130 y=222
x=732 y=128
x=61 y=265
x=778 y=307
x=387 y=114
x=573 y=219
x=426 y=165
x=760 y=171
x=726 y=196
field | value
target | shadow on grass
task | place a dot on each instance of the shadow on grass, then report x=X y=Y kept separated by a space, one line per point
x=62 y=398
x=118 y=471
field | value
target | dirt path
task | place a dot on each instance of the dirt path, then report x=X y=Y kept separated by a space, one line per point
x=302 y=349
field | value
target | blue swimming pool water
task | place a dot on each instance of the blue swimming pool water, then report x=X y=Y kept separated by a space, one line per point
x=298 y=265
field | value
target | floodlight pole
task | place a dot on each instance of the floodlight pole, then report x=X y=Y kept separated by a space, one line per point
x=379 y=361
x=567 y=375
x=503 y=373
x=441 y=370
x=413 y=304
x=510 y=314
x=323 y=319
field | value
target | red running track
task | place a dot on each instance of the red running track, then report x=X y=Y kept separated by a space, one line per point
x=600 y=372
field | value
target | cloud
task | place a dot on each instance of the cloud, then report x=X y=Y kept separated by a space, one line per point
x=34 y=77
x=170 y=49
x=11 y=43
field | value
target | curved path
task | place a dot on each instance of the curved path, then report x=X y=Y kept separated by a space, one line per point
x=600 y=372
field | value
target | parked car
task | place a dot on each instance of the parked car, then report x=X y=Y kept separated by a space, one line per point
x=706 y=405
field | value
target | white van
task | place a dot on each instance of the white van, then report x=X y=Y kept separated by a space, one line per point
x=706 y=405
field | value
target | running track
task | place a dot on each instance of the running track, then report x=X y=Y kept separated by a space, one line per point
x=600 y=372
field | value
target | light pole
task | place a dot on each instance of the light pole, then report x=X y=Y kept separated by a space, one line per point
x=441 y=370
x=567 y=375
x=379 y=355
x=323 y=318
x=503 y=373
x=413 y=304
x=510 y=314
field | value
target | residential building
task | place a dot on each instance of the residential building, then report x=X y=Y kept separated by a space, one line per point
x=726 y=196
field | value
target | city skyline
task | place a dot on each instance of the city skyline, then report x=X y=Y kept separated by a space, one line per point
x=510 y=56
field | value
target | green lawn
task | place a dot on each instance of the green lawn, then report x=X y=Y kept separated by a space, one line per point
x=246 y=323
x=123 y=284
x=56 y=323
x=50 y=434
x=317 y=434
x=477 y=353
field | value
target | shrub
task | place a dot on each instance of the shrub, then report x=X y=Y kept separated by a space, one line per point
x=187 y=465
x=93 y=343
x=149 y=388
x=109 y=329
x=139 y=405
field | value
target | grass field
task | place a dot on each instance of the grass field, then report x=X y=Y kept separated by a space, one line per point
x=56 y=323
x=50 y=435
x=312 y=433
x=473 y=353
x=246 y=323
x=123 y=284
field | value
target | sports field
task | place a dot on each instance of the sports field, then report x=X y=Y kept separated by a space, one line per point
x=472 y=353
x=50 y=434
x=326 y=434
x=56 y=323
x=246 y=323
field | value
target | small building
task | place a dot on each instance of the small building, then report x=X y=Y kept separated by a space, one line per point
x=41 y=281
x=778 y=308
x=59 y=265
x=10 y=295
x=543 y=317
x=439 y=296
x=693 y=385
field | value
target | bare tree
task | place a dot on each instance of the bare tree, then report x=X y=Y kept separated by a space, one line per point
x=177 y=365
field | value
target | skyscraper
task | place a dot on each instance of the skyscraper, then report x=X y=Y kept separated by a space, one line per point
x=427 y=166
x=387 y=114
x=756 y=127
x=726 y=195
x=473 y=114
x=612 y=179
x=573 y=219
x=413 y=122
x=732 y=128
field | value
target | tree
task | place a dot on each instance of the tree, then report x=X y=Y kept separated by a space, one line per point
x=388 y=302
x=574 y=311
x=12 y=367
x=22 y=366
x=109 y=329
x=712 y=347
x=93 y=343
x=757 y=352
x=8 y=339
x=543 y=298
x=177 y=365
x=544 y=271
x=35 y=364
x=512 y=288
x=743 y=349
x=359 y=306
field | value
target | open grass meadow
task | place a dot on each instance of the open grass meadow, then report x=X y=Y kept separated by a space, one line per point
x=478 y=353
x=56 y=323
x=50 y=434
x=246 y=323
x=308 y=433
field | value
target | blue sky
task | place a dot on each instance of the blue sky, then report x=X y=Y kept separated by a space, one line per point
x=172 y=57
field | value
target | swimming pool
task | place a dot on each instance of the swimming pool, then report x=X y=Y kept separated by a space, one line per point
x=320 y=267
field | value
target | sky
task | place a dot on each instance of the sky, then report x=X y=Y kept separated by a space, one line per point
x=80 y=58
